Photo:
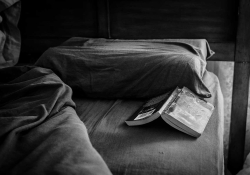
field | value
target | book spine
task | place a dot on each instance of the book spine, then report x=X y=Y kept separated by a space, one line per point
x=170 y=100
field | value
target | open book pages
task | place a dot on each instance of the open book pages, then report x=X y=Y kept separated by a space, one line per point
x=180 y=108
x=189 y=112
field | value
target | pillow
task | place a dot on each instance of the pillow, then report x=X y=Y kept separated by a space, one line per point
x=108 y=68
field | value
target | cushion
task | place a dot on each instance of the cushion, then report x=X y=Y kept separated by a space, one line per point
x=109 y=68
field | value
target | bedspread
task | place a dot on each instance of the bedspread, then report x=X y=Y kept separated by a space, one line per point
x=40 y=132
x=112 y=76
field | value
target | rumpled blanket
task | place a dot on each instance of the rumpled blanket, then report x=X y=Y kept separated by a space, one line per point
x=10 y=38
x=40 y=132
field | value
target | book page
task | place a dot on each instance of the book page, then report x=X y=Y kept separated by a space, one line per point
x=191 y=111
x=145 y=113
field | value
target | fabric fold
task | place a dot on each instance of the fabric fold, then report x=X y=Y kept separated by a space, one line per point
x=40 y=132
x=108 y=68
x=10 y=37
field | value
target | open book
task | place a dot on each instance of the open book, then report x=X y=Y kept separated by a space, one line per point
x=181 y=109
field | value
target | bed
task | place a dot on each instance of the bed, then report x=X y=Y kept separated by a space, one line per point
x=65 y=113
x=110 y=80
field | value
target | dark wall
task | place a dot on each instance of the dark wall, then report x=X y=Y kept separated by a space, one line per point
x=47 y=23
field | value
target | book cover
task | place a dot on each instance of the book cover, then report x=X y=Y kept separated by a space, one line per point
x=151 y=109
x=181 y=109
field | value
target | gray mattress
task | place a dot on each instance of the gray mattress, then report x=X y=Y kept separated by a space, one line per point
x=155 y=148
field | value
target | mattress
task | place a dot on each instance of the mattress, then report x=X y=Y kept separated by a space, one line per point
x=154 y=148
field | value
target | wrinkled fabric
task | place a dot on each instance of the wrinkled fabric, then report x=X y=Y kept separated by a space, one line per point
x=106 y=68
x=40 y=132
x=10 y=38
x=154 y=148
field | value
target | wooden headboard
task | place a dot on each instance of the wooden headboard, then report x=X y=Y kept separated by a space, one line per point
x=224 y=23
x=54 y=21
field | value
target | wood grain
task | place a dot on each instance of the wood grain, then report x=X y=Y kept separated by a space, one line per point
x=32 y=48
x=58 y=18
x=243 y=34
x=213 y=20
x=103 y=18
x=240 y=90
x=223 y=51
x=238 y=116
x=54 y=21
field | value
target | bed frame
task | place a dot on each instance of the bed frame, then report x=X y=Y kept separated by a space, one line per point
x=225 y=24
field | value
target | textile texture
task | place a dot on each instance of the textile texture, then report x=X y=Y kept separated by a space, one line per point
x=155 y=148
x=105 y=68
x=40 y=132
x=10 y=38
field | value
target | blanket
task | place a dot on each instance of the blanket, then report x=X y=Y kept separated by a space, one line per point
x=40 y=132
x=10 y=37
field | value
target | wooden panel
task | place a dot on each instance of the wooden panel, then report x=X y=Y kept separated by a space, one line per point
x=58 y=18
x=47 y=23
x=238 y=116
x=103 y=18
x=211 y=19
x=32 y=48
x=243 y=34
x=240 y=90
x=223 y=51
x=54 y=21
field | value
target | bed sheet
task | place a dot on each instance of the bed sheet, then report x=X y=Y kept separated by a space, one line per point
x=155 y=148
